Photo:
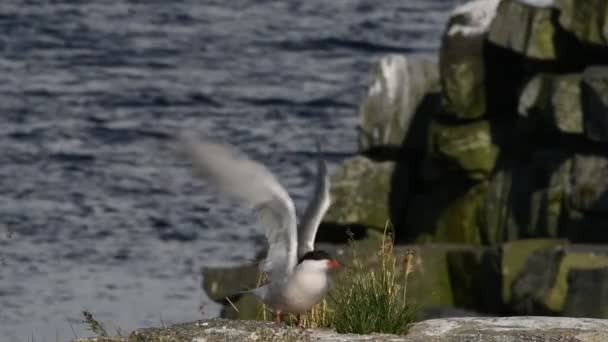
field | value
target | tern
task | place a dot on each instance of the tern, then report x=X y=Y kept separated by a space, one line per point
x=297 y=273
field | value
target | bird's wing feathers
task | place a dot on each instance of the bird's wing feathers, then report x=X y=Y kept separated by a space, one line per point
x=316 y=208
x=253 y=183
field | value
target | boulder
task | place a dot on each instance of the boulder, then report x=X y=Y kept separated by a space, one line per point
x=513 y=257
x=552 y=104
x=586 y=203
x=589 y=184
x=360 y=192
x=550 y=172
x=526 y=28
x=446 y=213
x=526 y=200
x=469 y=148
x=401 y=88
x=505 y=203
x=586 y=19
x=587 y=293
x=433 y=284
x=475 y=280
x=462 y=64
x=541 y=287
x=595 y=102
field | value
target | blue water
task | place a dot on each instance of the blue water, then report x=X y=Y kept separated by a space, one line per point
x=96 y=210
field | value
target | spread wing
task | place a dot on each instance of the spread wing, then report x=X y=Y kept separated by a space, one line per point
x=254 y=184
x=315 y=210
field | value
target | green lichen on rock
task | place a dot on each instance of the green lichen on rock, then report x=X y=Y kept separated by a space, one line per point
x=475 y=279
x=514 y=256
x=462 y=63
x=535 y=34
x=360 y=193
x=587 y=20
x=573 y=259
x=551 y=172
x=499 y=210
x=468 y=147
x=541 y=286
x=459 y=222
x=447 y=213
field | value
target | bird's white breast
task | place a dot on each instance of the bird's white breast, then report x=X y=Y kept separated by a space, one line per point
x=304 y=289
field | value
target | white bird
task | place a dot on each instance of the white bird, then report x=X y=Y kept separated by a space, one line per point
x=297 y=273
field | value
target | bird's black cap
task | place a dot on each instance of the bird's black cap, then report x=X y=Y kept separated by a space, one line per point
x=315 y=255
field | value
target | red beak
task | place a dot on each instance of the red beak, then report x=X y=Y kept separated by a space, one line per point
x=333 y=263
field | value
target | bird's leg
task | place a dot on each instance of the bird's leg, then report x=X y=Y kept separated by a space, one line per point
x=277 y=316
x=300 y=321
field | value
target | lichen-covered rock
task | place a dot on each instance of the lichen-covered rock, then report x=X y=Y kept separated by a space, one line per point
x=582 y=283
x=552 y=104
x=589 y=184
x=541 y=287
x=526 y=28
x=461 y=329
x=466 y=147
x=550 y=173
x=360 y=193
x=514 y=256
x=432 y=285
x=585 y=204
x=505 y=203
x=527 y=200
x=462 y=63
x=475 y=279
x=510 y=329
x=587 y=20
x=447 y=213
x=595 y=102
x=399 y=84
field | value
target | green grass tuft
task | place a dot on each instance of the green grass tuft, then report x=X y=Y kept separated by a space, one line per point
x=375 y=300
x=94 y=325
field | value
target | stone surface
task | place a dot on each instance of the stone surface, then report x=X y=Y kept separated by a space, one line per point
x=399 y=85
x=534 y=36
x=464 y=329
x=595 y=102
x=526 y=200
x=589 y=183
x=360 y=190
x=462 y=63
x=542 y=284
x=587 y=20
x=552 y=104
x=434 y=279
x=466 y=147
x=514 y=256
x=587 y=293
x=446 y=213
x=504 y=205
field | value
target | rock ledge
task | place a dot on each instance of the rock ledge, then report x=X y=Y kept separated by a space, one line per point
x=470 y=329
